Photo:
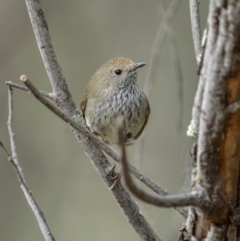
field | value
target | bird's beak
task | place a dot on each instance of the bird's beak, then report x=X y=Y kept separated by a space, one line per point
x=138 y=65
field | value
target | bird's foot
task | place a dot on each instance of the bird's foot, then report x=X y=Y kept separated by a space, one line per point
x=113 y=176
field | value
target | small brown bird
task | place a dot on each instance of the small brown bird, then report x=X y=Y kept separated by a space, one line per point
x=112 y=92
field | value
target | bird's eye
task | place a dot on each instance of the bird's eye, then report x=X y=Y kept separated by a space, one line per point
x=118 y=72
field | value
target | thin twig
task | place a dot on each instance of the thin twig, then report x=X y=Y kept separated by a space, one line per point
x=31 y=201
x=96 y=140
x=11 y=132
x=164 y=28
x=152 y=69
x=138 y=155
x=21 y=87
x=156 y=188
x=196 y=31
x=6 y=152
x=67 y=119
x=67 y=105
x=15 y=162
x=182 y=200
x=178 y=74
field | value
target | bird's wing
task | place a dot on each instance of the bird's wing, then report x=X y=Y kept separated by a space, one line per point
x=145 y=123
x=83 y=104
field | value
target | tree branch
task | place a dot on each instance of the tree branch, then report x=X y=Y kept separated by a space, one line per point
x=65 y=102
x=48 y=236
x=96 y=140
x=164 y=28
x=152 y=69
x=212 y=114
x=178 y=74
x=61 y=92
x=15 y=162
x=196 y=31
x=218 y=117
x=11 y=132
x=21 y=87
x=196 y=199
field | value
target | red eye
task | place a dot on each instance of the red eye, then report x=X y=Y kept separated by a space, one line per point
x=118 y=72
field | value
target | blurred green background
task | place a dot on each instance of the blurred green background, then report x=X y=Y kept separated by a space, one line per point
x=85 y=34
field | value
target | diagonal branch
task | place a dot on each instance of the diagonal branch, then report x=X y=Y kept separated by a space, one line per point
x=96 y=140
x=21 y=87
x=15 y=162
x=31 y=201
x=11 y=132
x=52 y=66
x=178 y=73
x=164 y=28
x=196 y=199
x=65 y=102
x=100 y=161
x=152 y=69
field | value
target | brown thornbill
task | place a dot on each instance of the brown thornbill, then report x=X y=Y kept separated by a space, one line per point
x=111 y=93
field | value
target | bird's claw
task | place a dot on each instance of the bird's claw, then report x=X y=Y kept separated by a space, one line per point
x=116 y=178
x=113 y=176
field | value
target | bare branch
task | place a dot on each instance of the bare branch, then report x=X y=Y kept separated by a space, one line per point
x=178 y=73
x=164 y=29
x=15 y=162
x=31 y=201
x=67 y=119
x=102 y=165
x=65 y=102
x=147 y=181
x=213 y=106
x=153 y=186
x=5 y=150
x=152 y=69
x=11 y=132
x=61 y=92
x=217 y=166
x=21 y=87
x=181 y=200
x=196 y=31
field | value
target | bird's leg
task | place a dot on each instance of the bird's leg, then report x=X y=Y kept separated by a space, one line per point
x=115 y=177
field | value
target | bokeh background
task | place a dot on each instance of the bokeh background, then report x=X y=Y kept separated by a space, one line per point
x=85 y=34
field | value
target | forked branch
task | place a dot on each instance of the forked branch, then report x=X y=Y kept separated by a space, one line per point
x=13 y=159
x=21 y=87
x=97 y=141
